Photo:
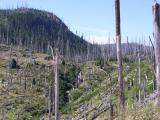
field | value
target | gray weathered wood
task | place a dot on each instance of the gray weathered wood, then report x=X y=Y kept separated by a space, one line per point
x=119 y=55
x=56 y=86
x=139 y=76
x=153 y=65
x=49 y=103
x=156 y=34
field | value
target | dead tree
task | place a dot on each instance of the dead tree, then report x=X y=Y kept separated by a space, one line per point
x=56 y=86
x=153 y=64
x=88 y=51
x=119 y=55
x=156 y=34
x=111 y=104
x=52 y=96
x=67 y=51
x=139 y=76
x=10 y=64
x=109 y=49
x=49 y=104
x=144 y=85
x=128 y=47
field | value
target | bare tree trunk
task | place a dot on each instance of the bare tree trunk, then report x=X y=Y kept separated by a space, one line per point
x=88 y=52
x=68 y=55
x=145 y=81
x=109 y=50
x=156 y=25
x=56 y=86
x=119 y=56
x=139 y=76
x=128 y=47
x=25 y=81
x=10 y=62
x=111 y=105
x=153 y=66
x=52 y=97
x=49 y=104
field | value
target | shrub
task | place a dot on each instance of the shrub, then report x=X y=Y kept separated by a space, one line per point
x=100 y=62
x=13 y=64
x=11 y=116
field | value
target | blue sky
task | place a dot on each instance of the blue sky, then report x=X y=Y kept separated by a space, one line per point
x=95 y=18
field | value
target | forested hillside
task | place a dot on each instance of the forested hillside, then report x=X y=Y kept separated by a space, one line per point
x=37 y=30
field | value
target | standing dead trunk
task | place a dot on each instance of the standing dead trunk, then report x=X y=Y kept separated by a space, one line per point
x=10 y=65
x=156 y=25
x=111 y=105
x=144 y=86
x=52 y=96
x=119 y=56
x=109 y=49
x=25 y=82
x=153 y=65
x=56 y=86
x=49 y=104
x=88 y=51
x=52 y=88
x=139 y=76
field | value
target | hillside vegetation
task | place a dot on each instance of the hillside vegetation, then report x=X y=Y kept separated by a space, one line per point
x=25 y=88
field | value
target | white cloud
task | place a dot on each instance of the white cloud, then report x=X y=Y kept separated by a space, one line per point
x=96 y=35
x=94 y=30
x=100 y=39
